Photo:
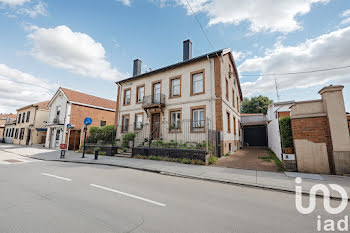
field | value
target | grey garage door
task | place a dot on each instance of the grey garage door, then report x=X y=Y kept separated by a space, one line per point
x=255 y=135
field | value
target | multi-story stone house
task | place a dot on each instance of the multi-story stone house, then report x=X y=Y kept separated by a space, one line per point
x=5 y=119
x=183 y=101
x=72 y=107
x=30 y=125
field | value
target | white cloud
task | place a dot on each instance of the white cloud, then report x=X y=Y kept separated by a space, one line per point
x=344 y=15
x=39 y=9
x=24 y=7
x=14 y=2
x=238 y=56
x=125 y=2
x=263 y=15
x=14 y=94
x=326 y=51
x=73 y=51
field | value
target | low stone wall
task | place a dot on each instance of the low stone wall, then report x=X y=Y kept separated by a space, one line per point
x=170 y=152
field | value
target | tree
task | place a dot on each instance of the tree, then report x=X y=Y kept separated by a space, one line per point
x=258 y=104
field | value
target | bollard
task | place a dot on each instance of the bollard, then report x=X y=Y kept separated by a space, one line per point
x=63 y=153
x=96 y=154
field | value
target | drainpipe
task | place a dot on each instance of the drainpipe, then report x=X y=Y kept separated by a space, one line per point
x=35 y=110
x=64 y=125
x=119 y=105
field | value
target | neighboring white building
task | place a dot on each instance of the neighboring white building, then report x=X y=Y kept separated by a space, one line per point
x=274 y=113
x=71 y=107
x=180 y=102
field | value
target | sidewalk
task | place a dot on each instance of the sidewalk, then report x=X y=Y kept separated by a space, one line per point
x=260 y=179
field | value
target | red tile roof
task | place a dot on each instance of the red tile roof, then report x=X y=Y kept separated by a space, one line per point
x=5 y=116
x=83 y=98
x=42 y=105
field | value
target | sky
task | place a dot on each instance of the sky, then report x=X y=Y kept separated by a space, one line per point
x=88 y=45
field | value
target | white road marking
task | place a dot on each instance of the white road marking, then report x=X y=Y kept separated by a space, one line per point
x=58 y=177
x=128 y=195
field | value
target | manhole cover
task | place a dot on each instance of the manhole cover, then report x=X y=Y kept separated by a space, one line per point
x=13 y=161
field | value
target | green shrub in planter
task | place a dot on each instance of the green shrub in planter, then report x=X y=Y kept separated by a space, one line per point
x=127 y=138
x=286 y=132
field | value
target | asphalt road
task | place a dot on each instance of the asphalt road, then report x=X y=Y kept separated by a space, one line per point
x=37 y=196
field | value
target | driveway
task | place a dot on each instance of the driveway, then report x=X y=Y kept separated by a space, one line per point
x=248 y=159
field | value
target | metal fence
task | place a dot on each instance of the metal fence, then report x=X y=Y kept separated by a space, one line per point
x=182 y=134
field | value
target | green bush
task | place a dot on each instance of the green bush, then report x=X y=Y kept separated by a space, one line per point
x=127 y=138
x=187 y=161
x=286 y=132
x=101 y=135
x=213 y=159
x=176 y=160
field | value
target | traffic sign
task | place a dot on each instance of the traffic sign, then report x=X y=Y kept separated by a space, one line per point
x=87 y=121
x=63 y=146
x=69 y=126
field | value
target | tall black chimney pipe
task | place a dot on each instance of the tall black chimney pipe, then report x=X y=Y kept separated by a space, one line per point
x=187 y=50
x=137 y=67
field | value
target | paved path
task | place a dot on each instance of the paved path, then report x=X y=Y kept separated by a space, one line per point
x=248 y=159
x=261 y=179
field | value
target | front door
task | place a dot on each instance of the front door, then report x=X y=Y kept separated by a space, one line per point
x=57 y=138
x=156 y=93
x=155 y=126
x=28 y=136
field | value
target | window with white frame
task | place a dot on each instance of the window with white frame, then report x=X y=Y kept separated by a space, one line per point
x=198 y=119
x=175 y=87
x=138 y=121
x=197 y=83
x=140 y=93
x=127 y=96
x=175 y=120
x=125 y=123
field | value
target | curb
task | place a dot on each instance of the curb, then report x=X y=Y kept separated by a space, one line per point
x=236 y=183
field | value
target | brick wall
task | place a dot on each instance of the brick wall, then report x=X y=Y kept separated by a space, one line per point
x=314 y=129
x=78 y=114
x=283 y=114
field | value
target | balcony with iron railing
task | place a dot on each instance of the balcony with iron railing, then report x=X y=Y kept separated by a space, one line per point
x=56 y=121
x=153 y=101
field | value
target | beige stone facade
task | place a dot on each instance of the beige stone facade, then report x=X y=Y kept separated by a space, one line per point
x=30 y=126
x=220 y=99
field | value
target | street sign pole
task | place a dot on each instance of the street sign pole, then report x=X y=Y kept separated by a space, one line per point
x=85 y=129
x=87 y=121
